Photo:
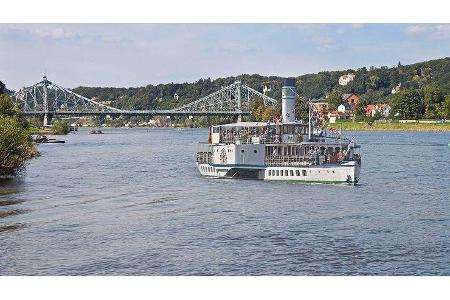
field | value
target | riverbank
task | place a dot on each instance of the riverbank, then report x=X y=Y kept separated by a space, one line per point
x=363 y=126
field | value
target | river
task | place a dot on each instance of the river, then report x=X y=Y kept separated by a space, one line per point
x=131 y=202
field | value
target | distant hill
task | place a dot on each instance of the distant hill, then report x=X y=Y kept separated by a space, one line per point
x=375 y=83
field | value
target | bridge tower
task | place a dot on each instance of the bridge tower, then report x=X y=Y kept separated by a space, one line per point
x=47 y=116
x=238 y=101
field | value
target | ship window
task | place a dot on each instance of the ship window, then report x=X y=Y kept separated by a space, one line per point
x=292 y=173
x=255 y=151
x=215 y=129
x=297 y=172
x=242 y=151
x=278 y=173
x=286 y=173
x=332 y=171
x=304 y=172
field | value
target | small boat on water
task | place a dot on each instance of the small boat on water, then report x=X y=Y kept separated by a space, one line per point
x=43 y=139
x=96 y=132
x=286 y=150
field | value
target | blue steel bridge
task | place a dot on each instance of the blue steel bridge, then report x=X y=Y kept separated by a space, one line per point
x=47 y=99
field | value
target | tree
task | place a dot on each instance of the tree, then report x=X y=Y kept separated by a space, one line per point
x=15 y=142
x=60 y=127
x=334 y=99
x=268 y=114
x=360 y=108
x=373 y=81
x=15 y=146
x=408 y=104
x=432 y=96
x=443 y=108
x=7 y=107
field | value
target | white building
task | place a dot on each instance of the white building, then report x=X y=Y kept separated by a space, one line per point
x=342 y=108
x=396 y=89
x=345 y=79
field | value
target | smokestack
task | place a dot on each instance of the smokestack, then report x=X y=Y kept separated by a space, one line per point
x=288 y=96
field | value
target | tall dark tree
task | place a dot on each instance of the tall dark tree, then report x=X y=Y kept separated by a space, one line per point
x=408 y=104
x=2 y=88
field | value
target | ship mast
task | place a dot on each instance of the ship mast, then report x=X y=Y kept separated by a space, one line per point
x=309 y=119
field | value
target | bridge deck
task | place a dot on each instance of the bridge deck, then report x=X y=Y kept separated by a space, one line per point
x=139 y=113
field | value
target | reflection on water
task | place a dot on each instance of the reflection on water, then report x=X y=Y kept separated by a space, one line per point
x=131 y=202
x=8 y=206
x=6 y=228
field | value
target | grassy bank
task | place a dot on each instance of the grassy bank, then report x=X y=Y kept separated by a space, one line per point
x=364 y=126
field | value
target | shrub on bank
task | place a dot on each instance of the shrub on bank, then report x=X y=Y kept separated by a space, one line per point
x=16 y=146
x=60 y=127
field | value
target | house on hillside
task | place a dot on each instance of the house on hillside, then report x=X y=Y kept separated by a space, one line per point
x=382 y=108
x=370 y=110
x=345 y=111
x=345 y=79
x=351 y=99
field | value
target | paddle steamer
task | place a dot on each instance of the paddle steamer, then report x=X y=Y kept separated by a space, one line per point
x=288 y=150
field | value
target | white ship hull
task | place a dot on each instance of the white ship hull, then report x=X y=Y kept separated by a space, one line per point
x=344 y=173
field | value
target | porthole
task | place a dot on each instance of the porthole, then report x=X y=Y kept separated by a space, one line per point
x=255 y=151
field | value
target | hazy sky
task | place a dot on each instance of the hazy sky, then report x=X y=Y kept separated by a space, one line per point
x=126 y=55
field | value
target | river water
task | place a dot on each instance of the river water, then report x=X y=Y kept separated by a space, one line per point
x=131 y=202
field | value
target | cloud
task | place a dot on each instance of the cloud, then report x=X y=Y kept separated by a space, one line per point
x=417 y=29
x=438 y=31
x=357 y=25
x=59 y=33
x=55 y=33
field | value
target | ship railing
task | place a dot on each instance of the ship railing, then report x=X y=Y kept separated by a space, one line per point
x=204 y=153
x=204 y=157
x=272 y=160
x=256 y=139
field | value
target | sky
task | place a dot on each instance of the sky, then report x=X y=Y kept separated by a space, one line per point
x=126 y=55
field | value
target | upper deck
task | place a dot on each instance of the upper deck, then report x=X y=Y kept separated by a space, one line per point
x=258 y=133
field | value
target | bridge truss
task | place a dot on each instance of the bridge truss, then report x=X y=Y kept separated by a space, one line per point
x=236 y=97
x=47 y=99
